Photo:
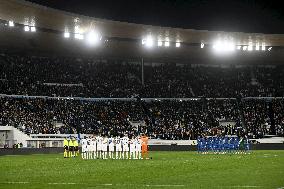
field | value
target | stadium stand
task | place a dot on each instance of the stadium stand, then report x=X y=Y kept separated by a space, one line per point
x=160 y=119
x=46 y=76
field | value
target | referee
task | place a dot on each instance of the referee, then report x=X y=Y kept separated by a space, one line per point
x=66 y=148
x=71 y=148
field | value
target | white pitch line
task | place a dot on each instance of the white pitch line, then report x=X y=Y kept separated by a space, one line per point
x=14 y=182
x=245 y=186
x=62 y=183
x=145 y=185
x=164 y=185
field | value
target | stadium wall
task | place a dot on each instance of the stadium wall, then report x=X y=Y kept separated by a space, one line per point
x=56 y=150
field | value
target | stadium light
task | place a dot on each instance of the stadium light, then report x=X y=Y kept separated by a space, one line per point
x=167 y=43
x=33 y=29
x=160 y=43
x=245 y=48
x=177 y=44
x=202 y=45
x=11 y=23
x=218 y=46
x=257 y=46
x=269 y=49
x=79 y=36
x=263 y=47
x=239 y=47
x=149 y=41
x=224 y=46
x=93 y=37
x=26 y=28
x=66 y=34
x=230 y=46
x=250 y=46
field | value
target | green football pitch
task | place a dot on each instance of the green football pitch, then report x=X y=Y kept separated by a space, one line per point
x=261 y=169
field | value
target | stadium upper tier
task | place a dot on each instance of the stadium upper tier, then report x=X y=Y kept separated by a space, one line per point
x=31 y=27
x=96 y=78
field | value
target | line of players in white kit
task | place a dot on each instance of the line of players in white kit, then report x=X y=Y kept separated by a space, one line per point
x=97 y=147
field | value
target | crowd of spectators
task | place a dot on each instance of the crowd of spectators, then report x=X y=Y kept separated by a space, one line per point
x=47 y=76
x=264 y=117
x=161 y=119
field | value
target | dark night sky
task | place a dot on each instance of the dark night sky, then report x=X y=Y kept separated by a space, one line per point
x=225 y=15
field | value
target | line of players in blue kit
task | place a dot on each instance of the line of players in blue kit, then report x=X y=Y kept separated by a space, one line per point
x=98 y=147
x=222 y=145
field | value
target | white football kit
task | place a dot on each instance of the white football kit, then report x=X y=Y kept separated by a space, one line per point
x=111 y=148
x=111 y=144
x=99 y=143
x=84 y=148
x=99 y=146
x=118 y=147
x=88 y=148
x=132 y=148
x=84 y=145
x=93 y=148
x=125 y=141
x=104 y=147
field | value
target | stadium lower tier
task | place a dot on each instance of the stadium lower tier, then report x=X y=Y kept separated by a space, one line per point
x=161 y=119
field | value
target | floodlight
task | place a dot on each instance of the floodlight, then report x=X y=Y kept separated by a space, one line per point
x=224 y=46
x=66 y=34
x=11 y=23
x=229 y=46
x=160 y=43
x=239 y=47
x=149 y=41
x=33 y=29
x=177 y=44
x=26 y=28
x=202 y=45
x=245 y=48
x=79 y=36
x=217 y=46
x=263 y=46
x=250 y=47
x=167 y=43
x=93 y=37
x=257 y=46
x=269 y=49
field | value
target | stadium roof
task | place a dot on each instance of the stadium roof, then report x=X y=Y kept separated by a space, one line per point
x=121 y=39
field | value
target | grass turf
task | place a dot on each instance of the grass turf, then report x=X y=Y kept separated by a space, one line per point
x=261 y=169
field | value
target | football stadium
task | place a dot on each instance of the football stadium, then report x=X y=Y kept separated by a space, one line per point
x=141 y=94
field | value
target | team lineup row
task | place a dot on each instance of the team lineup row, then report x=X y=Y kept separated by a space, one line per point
x=97 y=147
